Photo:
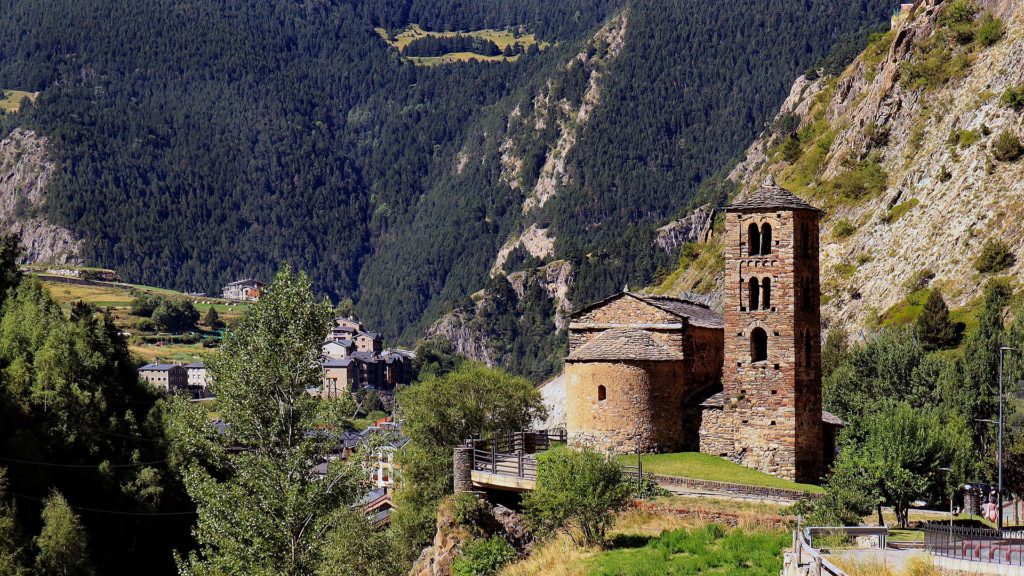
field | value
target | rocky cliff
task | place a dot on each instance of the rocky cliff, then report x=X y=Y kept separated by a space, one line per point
x=24 y=172
x=913 y=153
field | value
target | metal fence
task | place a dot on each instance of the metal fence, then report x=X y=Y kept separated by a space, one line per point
x=513 y=454
x=977 y=544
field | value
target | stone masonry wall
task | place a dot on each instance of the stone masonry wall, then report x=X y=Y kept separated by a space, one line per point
x=622 y=310
x=773 y=402
x=643 y=406
x=716 y=431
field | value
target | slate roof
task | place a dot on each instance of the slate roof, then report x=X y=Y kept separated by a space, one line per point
x=337 y=362
x=158 y=367
x=696 y=314
x=770 y=196
x=344 y=343
x=624 y=344
x=830 y=418
x=195 y=365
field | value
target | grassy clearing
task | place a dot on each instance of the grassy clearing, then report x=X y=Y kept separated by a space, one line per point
x=708 y=467
x=116 y=298
x=710 y=549
x=11 y=101
x=502 y=38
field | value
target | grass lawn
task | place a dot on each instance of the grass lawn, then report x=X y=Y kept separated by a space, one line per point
x=11 y=100
x=170 y=353
x=708 y=467
x=906 y=535
x=707 y=550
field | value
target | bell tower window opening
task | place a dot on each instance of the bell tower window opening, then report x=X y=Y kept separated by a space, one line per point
x=766 y=294
x=758 y=345
x=602 y=393
x=806 y=298
x=766 y=239
x=808 y=349
x=753 y=240
x=753 y=292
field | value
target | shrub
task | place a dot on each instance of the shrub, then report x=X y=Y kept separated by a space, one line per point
x=995 y=256
x=577 y=491
x=862 y=180
x=990 y=29
x=843 y=229
x=791 y=149
x=1014 y=97
x=920 y=280
x=958 y=18
x=899 y=210
x=1007 y=147
x=483 y=557
x=468 y=510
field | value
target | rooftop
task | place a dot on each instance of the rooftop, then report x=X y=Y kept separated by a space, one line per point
x=159 y=367
x=337 y=362
x=770 y=196
x=695 y=313
x=624 y=344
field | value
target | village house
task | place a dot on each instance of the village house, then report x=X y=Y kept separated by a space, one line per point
x=198 y=377
x=660 y=374
x=248 y=290
x=166 y=377
x=354 y=358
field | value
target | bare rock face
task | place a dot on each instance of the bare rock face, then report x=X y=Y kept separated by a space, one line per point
x=25 y=171
x=945 y=194
x=456 y=328
x=694 y=227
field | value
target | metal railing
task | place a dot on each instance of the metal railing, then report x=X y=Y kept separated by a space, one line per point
x=513 y=454
x=975 y=543
x=802 y=544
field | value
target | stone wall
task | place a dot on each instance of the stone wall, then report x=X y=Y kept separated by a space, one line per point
x=775 y=403
x=643 y=406
x=716 y=431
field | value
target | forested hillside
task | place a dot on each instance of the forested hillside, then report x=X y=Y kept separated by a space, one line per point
x=200 y=142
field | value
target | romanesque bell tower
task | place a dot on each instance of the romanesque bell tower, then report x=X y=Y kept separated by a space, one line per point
x=772 y=376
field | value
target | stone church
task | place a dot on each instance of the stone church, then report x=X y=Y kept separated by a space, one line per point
x=660 y=374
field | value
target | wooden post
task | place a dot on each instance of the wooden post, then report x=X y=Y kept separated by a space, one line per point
x=494 y=456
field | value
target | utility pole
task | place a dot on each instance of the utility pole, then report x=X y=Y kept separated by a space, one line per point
x=999 y=481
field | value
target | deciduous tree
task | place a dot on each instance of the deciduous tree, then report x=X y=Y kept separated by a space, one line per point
x=260 y=509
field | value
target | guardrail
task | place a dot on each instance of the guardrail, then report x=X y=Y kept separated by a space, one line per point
x=513 y=454
x=975 y=543
x=821 y=565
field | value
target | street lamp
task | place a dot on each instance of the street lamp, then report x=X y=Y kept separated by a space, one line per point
x=949 y=471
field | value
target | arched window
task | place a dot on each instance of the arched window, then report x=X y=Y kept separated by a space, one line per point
x=753 y=292
x=766 y=294
x=758 y=345
x=766 y=238
x=602 y=393
x=805 y=240
x=753 y=240
x=806 y=297
x=808 y=350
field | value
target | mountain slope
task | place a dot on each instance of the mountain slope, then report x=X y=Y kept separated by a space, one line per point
x=902 y=151
x=199 y=142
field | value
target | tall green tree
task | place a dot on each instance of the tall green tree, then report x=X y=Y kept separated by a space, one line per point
x=902 y=449
x=440 y=412
x=212 y=319
x=260 y=509
x=63 y=550
x=934 y=328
